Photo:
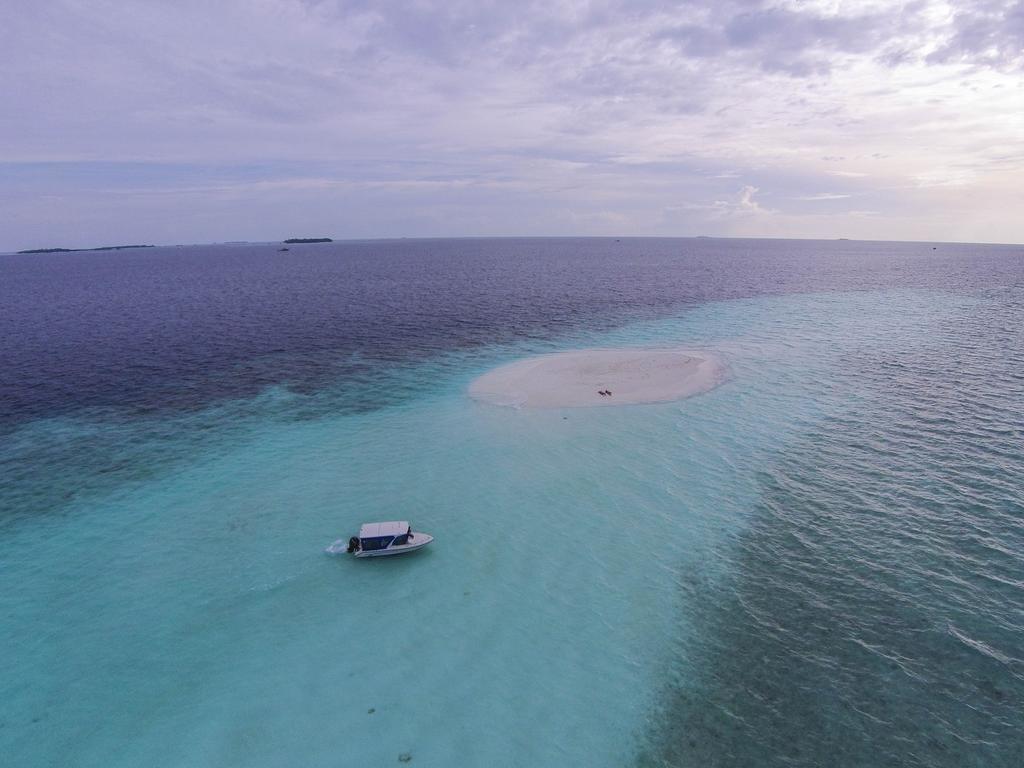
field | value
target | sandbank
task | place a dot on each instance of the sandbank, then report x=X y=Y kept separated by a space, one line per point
x=576 y=379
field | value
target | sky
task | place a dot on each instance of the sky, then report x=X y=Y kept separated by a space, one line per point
x=215 y=120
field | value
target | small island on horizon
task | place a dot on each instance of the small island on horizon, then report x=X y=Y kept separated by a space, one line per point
x=79 y=250
x=293 y=240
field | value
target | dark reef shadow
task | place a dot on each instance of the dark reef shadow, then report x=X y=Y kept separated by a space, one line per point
x=874 y=615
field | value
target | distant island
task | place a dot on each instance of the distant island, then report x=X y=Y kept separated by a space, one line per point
x=78 y=250
x=309 y=240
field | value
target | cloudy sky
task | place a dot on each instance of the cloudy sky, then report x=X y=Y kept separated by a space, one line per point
x=209 y=120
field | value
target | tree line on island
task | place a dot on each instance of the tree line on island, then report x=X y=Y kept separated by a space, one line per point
x=291 y=240
x=77 y=250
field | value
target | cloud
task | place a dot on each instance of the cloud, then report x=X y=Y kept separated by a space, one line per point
x=489 y=117
x=985 y=34
x=824 y=196
x=742 y=205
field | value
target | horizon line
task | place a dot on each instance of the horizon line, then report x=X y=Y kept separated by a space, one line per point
x=86 y=249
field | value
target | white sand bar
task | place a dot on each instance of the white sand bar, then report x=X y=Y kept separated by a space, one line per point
x=571 y=379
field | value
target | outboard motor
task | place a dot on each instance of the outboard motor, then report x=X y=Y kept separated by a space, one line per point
x=353 y=544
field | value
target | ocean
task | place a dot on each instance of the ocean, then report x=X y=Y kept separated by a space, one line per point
x=819 y=562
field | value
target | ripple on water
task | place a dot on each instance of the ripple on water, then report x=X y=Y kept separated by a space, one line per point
x=874 y=612
x=834 y=577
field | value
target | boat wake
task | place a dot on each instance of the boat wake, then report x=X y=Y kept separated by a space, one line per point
x=339 y=547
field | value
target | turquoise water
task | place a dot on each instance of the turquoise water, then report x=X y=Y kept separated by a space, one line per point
x=583 y=603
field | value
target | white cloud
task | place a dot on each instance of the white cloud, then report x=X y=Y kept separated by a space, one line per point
x=741 y=206
x=574 y=114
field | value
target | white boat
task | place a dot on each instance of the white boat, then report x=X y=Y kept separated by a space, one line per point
x=380 y=539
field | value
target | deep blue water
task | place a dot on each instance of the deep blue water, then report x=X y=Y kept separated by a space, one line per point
x=842 y=576
x=174 y=328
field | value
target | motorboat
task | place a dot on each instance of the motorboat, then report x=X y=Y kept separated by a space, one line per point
x=380 y=539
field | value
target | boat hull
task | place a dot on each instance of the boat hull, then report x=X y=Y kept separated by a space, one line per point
x=419 y=540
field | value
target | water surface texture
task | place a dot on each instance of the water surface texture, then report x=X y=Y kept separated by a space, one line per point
x=820 y=562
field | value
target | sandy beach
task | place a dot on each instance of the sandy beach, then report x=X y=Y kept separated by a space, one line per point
x=578 y=378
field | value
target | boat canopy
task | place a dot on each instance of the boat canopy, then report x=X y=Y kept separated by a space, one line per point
x=376 y=530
